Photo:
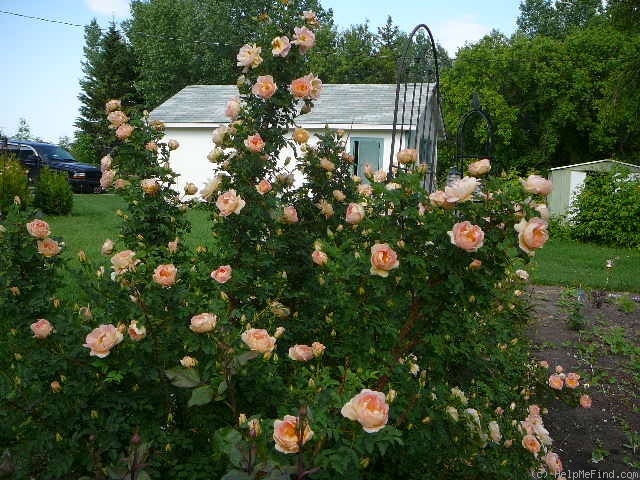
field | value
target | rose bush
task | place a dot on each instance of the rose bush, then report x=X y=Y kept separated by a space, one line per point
x=334 y=329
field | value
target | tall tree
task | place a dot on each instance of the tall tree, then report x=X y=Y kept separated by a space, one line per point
x=24 y=130
x=556 y=18
x=109 y=72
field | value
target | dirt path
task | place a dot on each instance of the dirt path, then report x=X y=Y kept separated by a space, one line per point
x=606 y=352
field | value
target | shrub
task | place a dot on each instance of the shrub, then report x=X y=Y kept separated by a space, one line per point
x=53 y=193
x=14 y=183
x=607 y=209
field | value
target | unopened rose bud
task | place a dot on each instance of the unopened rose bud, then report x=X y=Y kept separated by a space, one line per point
x=15 y=291
x=255 y=428
x=94 y=414
x=17 y=356
x=242 y=419
x=188 y=362
x=56 y=387
x=391 y=396
x=82 y=256
x=190 y=188
x=364 y=463
x=56 y=302
x=279 y=332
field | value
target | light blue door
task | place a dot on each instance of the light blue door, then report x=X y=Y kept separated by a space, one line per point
x=367 y=150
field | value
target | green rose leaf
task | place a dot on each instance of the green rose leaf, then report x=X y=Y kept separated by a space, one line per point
x=201 y=396
x=183 y=377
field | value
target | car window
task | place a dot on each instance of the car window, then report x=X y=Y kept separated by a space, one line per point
x=53 y=152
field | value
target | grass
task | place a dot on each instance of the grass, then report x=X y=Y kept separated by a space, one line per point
x=577 y=264
x=560 y=262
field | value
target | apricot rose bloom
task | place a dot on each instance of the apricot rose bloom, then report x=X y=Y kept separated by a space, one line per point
x=255 y=143
x=355 y=213
x=264 y=87
x=258 y=340
x=173 y=144
x=249 y=56
x=38 y=228
x=135 y=332
x=480 y=167
x=461 y=190
x=280 y=46
x=300 y=136
x=222 y=274
x=467 y=236
x=554 y=465
x=304 y=38
x=289 y=215
x=263 y=187
x=369 y=408
x=48 y=247
x=117 y=118
x=41 y=328
x=585 y=401
x=572 y=380
x=102 y=339
x=537 y=184
x=165 y=275
x=112 y=105
x=203 y=322
x=532 y=234
x=556 y=382
x=339 y=195
x=105 y=163
x=211 y=187
x=233 y=108
x=123 y=261
x=124 y=131
x=531 y=443
x=383 y=259
x=107 y=178
x=318 y=348
x=285 y=434
x=301 y=353
x=229 y=203
x=407 y=156
x=150 y=186
x=319 y=257
x=300 y=88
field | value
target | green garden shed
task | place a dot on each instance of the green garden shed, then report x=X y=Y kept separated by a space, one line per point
x=567 y=181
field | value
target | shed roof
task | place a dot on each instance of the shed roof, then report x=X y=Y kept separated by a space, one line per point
x=597 y=165
x=371 y=104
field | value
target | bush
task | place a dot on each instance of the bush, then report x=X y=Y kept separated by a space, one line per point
x=607 y=209
x=14 y=183
x=53 y=193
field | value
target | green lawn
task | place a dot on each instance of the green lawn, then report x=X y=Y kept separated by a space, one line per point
x=572 y=263
x=560 y=262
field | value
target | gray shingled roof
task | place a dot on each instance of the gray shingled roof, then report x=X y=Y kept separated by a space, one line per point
x=338 y=103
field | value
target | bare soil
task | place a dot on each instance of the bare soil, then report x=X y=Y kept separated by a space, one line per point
x=607 y=355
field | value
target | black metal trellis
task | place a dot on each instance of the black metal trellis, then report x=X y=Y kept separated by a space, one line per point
x=461 y=154
x=417 y=119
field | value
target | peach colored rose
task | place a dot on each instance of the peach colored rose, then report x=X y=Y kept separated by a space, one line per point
x=301 y=88
x=494 y=432
x=263 y=187
x=534 y=410
x=327 y=164
x=383 y=259
x=259 y=340
x=107 y=178
x=203 y=322
x=531 y=443
x=124 y=131
x=572 y=380
x=190 y=189
x=48 y=247
x=467 y=236
x=38 y=228
x=124 y=261
x=480 y=167
x=150 y=186
x=407 y=156
x=55 y=386
x=211 y=187
x=319 y=257
x=117 y=118
x=543 y=211
x=318 y=349
x=537 y=184
x=316 y=86
x=300 y=136
x=233 y=108
x=121 y=183
x=289 y=215
x=554 y=465
x=254 y=143
x=532 y=234
x=219 y=134
x=461 y=190
x=310 y=17
x=41 y=328
x=280 y=46
x=559 y=369
x=229 y=203
x=369 y=408
x=279 y=310
x=556 y=382
x=173 y=246
x=304 y=38
x=188 y=362
x=173 y=144
x=151 y=146
x=301 y=353
x=112 y=105
x=380 y=176
x=355 y=213
x=475 y=264
x=105 y=163
x=102 y=339
x=585 y=401
x=165 y=275
x=249 y=56
x=285 y=434
x=326 y=208
x=135 y=332
x=222 y=274
x=264 y=87
x=365 y=189
x=279 y=332
x=439 y=199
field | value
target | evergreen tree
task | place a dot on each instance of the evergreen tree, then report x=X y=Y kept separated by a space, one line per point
x=109 y=72
x=24 y=130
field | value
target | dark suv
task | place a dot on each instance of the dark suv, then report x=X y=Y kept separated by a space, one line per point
x=35 y=156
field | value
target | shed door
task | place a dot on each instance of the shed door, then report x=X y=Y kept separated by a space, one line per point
x=367 y=150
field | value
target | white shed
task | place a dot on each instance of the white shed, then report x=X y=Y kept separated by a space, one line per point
x=364 y=111
x=567 y=181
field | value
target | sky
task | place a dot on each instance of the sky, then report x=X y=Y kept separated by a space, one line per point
x=42 y=60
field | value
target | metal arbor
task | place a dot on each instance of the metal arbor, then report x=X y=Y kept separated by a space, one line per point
x=486 y=149
x=417 y=117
